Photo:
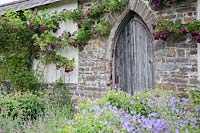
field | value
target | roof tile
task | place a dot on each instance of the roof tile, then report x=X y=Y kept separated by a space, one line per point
x=25 y=4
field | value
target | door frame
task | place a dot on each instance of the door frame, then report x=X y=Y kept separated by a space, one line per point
x=126 y=17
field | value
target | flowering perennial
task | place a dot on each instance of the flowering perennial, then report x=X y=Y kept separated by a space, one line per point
x=167 y=113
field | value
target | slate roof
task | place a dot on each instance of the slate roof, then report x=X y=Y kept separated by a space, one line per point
x=25 y=4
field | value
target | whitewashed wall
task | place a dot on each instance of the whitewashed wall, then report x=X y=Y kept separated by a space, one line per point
x=49 y=73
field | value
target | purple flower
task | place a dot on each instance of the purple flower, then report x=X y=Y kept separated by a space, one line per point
x=177 y=131
x=69 y=34
x=194 y=33
x=155 y=1
x=97 y=107
x=31 y=25
x=55 y=58
x=196 y=126
x=153 y=26
x=35 y=40
x=198 y=38
x=107 y=103
x=184 y=31
x=76 y=108
x=153 y=115
x=53 y=46
x=164 y=37
x=55 y=30
x=67 y=70
x=42 y=28
x=79 y=25
x=69 y=122
x=57 y=67
x=49 y=53
x=156 y=37
x=84 y=111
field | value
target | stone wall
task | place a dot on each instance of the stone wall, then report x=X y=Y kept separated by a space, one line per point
x=94 y=70
x=176 y=61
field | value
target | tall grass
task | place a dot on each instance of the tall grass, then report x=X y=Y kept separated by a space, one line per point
x=52 y=121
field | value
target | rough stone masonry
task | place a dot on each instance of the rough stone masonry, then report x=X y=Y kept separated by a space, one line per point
x=175 y=62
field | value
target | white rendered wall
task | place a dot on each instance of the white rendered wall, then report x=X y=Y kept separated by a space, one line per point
x=49 y=73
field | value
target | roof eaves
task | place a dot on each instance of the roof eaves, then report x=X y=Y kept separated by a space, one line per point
x=26 y=4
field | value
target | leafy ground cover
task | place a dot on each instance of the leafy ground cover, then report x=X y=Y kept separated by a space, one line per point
x=32 y=113
x=152 y=111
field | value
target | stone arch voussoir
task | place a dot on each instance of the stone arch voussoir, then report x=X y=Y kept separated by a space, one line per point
x=141 y=8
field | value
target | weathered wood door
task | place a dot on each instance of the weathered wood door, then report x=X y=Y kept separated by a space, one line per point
x=134 y=57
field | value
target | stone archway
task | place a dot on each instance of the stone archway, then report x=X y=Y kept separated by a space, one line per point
x=146 y=16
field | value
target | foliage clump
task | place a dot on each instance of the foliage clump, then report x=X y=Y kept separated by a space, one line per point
x=26 y=112
x=166 y=29
x=118 y=112
x=26 y=106
x=29 y=35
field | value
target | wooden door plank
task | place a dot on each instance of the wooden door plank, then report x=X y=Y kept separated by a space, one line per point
x=134 y=57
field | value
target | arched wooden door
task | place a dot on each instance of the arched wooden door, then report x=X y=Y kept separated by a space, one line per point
x=133 y=56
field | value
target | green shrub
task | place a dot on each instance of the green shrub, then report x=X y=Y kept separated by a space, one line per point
x=194 y=95
x=93 y=120
x=148 y=111
x=26 y=105
x=53 y=120
x=122 y=100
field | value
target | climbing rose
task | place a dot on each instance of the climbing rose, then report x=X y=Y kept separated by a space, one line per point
x=184 y=31
x=3 y=110
x=164 y=37
x=49 y=53
x=79 y=25
x=53 y=46
x=155 y=1
x=57 y=67
x=88 y=11
x=194 y=33
x=42 y=28
x=31 y=25
x=69 y=34
x=67 y=70
x=153 y=26
x=156 y=36
x=55 y=30
x=198 y=39
x=55 y=58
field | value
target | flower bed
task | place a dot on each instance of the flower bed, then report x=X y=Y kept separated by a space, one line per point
x=150 y=111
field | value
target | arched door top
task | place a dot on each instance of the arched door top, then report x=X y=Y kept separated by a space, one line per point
x=129 y=15
x=133 y=55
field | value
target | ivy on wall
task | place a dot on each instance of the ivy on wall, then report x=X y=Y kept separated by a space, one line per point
x=29 y=35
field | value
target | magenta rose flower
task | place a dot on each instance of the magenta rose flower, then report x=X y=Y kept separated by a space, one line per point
x=42 y=28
